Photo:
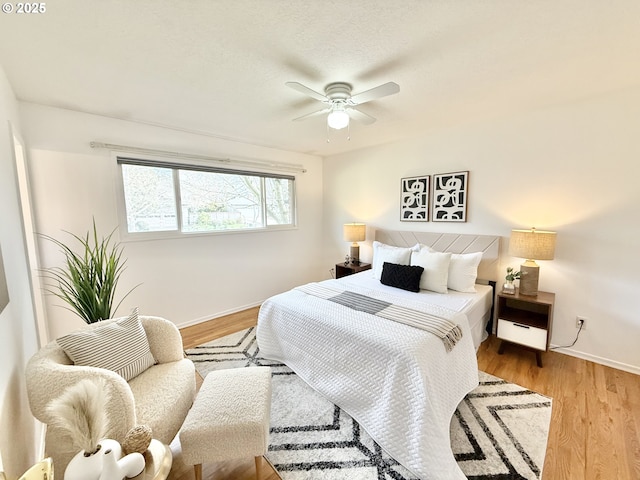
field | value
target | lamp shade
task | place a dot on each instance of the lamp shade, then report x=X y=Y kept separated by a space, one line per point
x=354 y=232
x=532 y=244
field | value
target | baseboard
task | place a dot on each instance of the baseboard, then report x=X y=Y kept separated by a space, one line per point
x=213 y=316
x=594 y=358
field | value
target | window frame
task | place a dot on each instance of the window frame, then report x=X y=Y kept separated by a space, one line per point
x=176 y=165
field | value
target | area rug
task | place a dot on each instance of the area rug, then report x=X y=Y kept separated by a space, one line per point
x=499 y=430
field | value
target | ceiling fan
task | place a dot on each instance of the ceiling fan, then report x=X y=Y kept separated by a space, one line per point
x=341 y=105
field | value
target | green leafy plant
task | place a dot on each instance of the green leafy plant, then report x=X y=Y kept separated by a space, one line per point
x=88 y=280
x=511 y=275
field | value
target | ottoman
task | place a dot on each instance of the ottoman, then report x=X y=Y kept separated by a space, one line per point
x=229 y=418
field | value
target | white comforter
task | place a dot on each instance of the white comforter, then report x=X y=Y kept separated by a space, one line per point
x=397 y=381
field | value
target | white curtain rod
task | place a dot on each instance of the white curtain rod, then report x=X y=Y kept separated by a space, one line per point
x=288 y=167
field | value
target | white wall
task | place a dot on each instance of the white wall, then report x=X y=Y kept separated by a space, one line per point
x=18 y=336
x=573 y=169
x=185 y=280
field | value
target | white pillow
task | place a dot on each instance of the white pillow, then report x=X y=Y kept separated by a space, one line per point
x=120 y=346
x=463 y=271
x=436 y=269
x=386 y=253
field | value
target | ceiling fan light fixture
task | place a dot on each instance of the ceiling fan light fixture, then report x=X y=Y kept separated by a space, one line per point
x=338 y=119
x=340 y=104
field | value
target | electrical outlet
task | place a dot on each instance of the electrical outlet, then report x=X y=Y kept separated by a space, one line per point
x=581 y=321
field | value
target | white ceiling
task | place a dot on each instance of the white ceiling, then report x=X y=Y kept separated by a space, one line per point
x=219 y=67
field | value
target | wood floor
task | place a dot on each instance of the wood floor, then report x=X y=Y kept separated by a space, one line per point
x=595 y=425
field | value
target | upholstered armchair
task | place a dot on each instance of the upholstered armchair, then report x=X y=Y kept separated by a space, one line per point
x=159 y=397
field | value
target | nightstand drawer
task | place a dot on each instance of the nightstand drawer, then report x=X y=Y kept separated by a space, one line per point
x=523 y=334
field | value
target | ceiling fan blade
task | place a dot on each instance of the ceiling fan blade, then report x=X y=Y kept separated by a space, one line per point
x=360 y=116
x=307 y=91
x=377 y=92
x=312 y=114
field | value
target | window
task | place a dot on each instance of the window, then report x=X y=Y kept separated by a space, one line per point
x=183 y=199
x=149 y=198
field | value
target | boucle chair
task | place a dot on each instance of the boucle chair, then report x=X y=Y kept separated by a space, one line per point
x=159 y=397
x=229 y=419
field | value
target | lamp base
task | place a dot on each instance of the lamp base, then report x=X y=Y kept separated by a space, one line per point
x=354 y=253
x=529 y=274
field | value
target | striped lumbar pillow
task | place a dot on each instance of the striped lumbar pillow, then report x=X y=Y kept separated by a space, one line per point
x=120 y=346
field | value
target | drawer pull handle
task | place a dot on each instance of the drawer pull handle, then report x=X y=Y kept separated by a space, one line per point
x=521 y=326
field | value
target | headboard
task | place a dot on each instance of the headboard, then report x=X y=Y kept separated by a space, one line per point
x=489 y=245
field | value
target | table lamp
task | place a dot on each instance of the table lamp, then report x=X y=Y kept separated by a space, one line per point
x=532 y=245
x=354 y=232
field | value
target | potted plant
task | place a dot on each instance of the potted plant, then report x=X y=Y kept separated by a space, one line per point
x=88 y=280
x=511 y=276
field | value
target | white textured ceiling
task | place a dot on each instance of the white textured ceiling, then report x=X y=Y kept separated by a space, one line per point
x=219 y=67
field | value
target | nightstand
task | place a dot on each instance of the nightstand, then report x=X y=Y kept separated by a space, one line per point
x=343 y=270
x=525 y=320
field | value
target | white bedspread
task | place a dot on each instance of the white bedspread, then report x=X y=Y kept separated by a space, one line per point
x=397 y=381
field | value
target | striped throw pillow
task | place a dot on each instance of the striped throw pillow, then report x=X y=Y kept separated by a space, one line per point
x=120 y=346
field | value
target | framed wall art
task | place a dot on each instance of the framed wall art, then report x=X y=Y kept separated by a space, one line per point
x=450 y=197
x=4 y=291
x=414 y=199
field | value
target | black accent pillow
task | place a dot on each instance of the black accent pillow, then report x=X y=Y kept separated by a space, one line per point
x=406 y=277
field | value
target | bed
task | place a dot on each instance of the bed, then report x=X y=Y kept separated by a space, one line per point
x=401 y=383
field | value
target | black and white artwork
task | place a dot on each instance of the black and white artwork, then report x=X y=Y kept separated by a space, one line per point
x=450 y=197
x=414 y=200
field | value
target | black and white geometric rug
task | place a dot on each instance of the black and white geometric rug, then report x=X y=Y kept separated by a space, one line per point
x=499 y=430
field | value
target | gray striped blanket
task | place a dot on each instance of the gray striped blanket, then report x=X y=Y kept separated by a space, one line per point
x=441 y=327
